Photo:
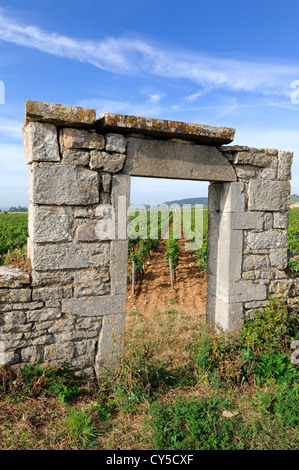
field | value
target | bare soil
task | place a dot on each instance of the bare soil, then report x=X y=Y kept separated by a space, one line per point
x=153 y=293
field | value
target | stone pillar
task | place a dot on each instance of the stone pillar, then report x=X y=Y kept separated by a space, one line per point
x=76 y=263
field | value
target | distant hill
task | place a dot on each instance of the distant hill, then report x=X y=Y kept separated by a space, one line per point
x=192 y=200
x=294 y=198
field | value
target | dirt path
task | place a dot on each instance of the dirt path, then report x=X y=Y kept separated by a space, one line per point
x=154 y=293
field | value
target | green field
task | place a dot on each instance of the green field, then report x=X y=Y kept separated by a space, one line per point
x=13 y=232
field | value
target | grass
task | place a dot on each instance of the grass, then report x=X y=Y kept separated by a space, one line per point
x=176 y=384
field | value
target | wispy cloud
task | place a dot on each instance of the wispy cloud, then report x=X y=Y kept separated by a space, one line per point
x=134 y=56
x=11 y=128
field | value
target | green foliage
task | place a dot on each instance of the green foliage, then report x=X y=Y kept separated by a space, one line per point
x=271 y=330
x=172 y=252
x=191 y=425
x=13 y=232
x=202 y=255
x=80 y=425
x=261 y=352
x=36 y=380
x=276 y=366
x=282 y=404
x=18 y=209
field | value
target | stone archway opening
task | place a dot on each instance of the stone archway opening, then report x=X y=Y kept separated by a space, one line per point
x=167 y=212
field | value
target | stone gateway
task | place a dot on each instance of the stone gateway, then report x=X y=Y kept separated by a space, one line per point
x=71 y=308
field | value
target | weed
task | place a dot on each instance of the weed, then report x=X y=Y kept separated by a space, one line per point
x=191 y=425
x=80 y=425
x=35 y=380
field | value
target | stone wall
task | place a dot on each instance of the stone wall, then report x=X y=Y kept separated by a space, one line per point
x=71 y=308
x=248 y=220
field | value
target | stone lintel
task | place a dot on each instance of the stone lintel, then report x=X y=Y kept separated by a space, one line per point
x=165 y=129
x=176 y=160
x=59 y=114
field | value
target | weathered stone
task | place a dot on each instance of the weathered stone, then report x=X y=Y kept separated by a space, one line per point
x=227 y=197
x=40 y=143
x=246 y=172
x=92 y=282
x=105 y=182
x=80 y=139
x=60 y=114
x=27 y=305
x=225 y=253
x=70 y=256
x=165 y=159
x=267 y=240
x=253 y=262
x=50 y=223
x=280 y=288
x=86 y=348
x=278 y=258
x=89 y=323
x=120 y=198
x=75 y=158
x=116 y=143
x=254 y=158
x=104 y=161
x=83 y=212
x=86 y=232
x=74 y=138
x=95 y=306
x=236 y=291
x=61 y=278
x=163 y=128
x=15 y=295
x=268 y=174
x=43 y=315
x=268 y=195
x=13 y=277
x=15 y=318
x=281 y=220
x=284 y=165
x=227 y=316
x=268 y=221
x=237 y=220
x=58 y=184
x=96 y=141
x=31 y=355
x=110 y=346
x=119 y=266
x=59 y=353
x=46 y=293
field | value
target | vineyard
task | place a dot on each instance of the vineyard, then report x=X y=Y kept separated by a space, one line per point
x=13 y=236
x=148 y=228
x=146 y=233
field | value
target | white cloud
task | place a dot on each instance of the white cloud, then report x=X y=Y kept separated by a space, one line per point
x=122 y=107
x=11 y=128
x=131 y=56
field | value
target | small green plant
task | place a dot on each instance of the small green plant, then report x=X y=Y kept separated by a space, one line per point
x=80 y=425
x=261 y=352
x=36 y=380
x=191 y=425
x=202 y=255
x=172 y=253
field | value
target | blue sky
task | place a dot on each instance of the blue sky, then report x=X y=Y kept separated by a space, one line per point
x=219 y=63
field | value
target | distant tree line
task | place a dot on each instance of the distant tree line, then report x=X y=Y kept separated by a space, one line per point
x=17 y=209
